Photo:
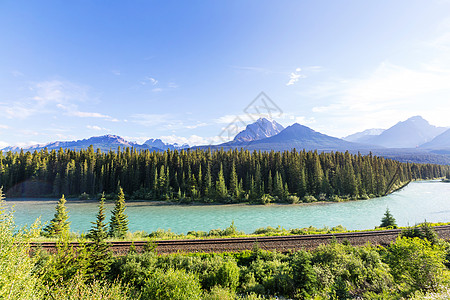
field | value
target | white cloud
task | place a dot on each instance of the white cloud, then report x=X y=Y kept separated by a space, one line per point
x=193 y=140
x=3 y=144
x=157 y=90
x=4 y=126
x=390 y=92
x=151 y=119
x=196 y=125
x=72 y=110
x=16 y=73
x=84 y=114
x=115 y=72
x=57 y=91
x=18 y=110
x=294 y=77
x=149 y=80
x=47 y=97
x=95 y=127
x=239 y=118
x=253 y=69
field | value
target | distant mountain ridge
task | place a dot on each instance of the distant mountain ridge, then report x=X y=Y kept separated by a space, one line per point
x=411 y=133
x=363 y=136
x=258 y=130
x=440 y=142
x=104 y=142
x=295 y=136
x=158 y=143
x=266 y=135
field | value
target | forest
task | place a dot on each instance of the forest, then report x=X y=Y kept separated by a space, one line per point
x=208 y=176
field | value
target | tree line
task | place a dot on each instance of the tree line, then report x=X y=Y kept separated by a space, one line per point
x=206 y=175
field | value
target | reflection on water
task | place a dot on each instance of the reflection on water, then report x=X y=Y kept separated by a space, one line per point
x=419 y=201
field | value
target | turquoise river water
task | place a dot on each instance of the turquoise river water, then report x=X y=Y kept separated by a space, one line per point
x=418 y=201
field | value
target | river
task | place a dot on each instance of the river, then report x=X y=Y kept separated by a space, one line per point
x=419 y=201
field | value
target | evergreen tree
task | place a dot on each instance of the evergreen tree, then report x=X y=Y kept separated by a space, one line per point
x=59 y=225
x=388 y=220
x=98 y=231
x=99 y=254
x=221 y=189
x=118 y=226
x=270 y=184
x=208 y=181
x=234 y=188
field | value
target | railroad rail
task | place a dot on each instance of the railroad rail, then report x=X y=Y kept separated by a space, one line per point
x=279 y=243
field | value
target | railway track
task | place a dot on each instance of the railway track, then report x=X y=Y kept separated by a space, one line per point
x=279 y=243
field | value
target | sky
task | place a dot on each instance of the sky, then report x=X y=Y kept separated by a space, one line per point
x=184 y=71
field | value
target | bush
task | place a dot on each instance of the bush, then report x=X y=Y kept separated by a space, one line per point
x=293 y=199
x=417 y=264
x=266 y=199
x=84 y=196
x=309 y=199
x=163 y=234
x=77 y=289
x=17 y=279
x=342 y=269
x=133 y=268
x=422 y=231
x=219 y=293
x=268 y=230
x=336 y=198
x=212 y=270
x=171 y=284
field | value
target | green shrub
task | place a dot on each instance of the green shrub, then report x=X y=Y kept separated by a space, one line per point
x=163 y=234
x=417 y=264
x=133 y=268
x=17 y=279
x=266 y=199
x=268 y=230
x=84 y=196
x=219 y=293
x=293 y=199
x=309 y=199
x=77 y=289
x=342 y=269
x=171 y=284
x=422 y=231
x=336 y=198
x=63 y=265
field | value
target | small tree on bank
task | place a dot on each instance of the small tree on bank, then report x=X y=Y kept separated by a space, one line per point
x=388 y=220
x=98 y=232
x=99 y=254
x=59 y=225
x=118 y=226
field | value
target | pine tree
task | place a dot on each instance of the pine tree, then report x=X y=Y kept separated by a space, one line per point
x=278 y=185
x=221 y=188
x=388 y=220
x=98 y=231
x=208 y=181
x=234 y=188
x=118 y=226
x=59 y=225
x=99 y=254
x=270 y=184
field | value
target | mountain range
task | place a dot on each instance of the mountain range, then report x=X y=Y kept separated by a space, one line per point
x=412 y=140
x=411 y=133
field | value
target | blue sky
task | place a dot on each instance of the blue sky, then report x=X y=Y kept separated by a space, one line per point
x=183 y=70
